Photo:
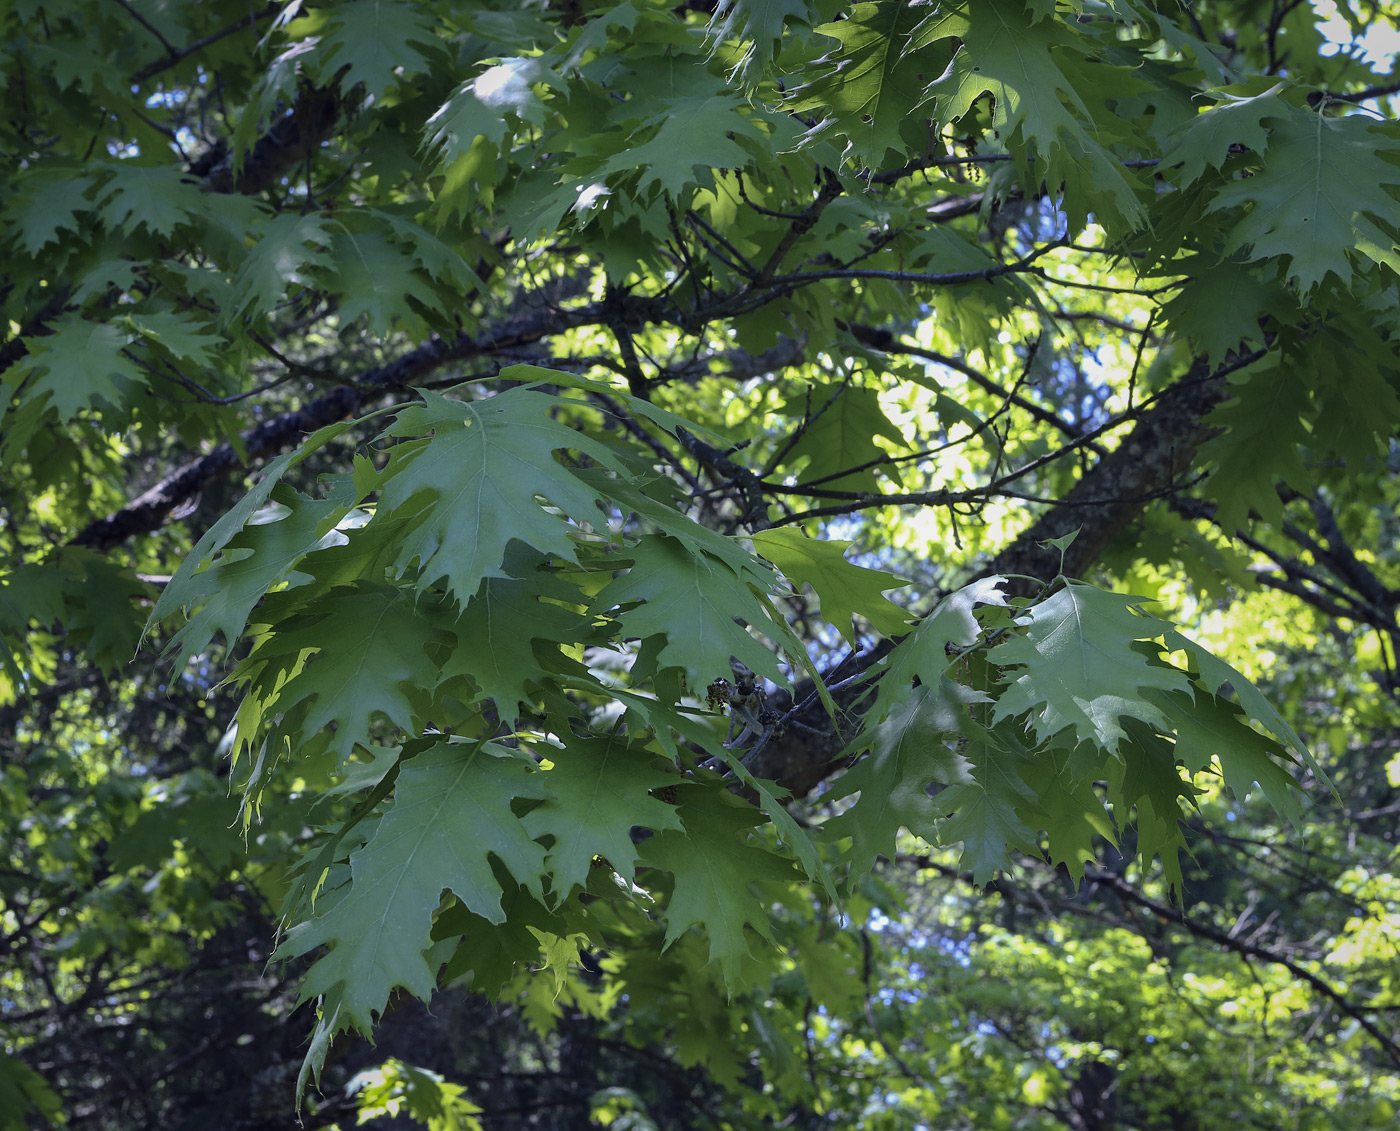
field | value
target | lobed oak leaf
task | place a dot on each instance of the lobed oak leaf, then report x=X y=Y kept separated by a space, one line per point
x=714 y=861
x=845 y=589
x=692 y=600
x=489 y=475
x=1082 y=668
x=601 y=789
x=909 y=754
x=450 y=818
x=357 y=652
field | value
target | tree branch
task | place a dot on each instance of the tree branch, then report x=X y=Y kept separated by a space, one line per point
x=310 y=121
x=1152 y=457
x=175 y=56
x=153 y=508
x=1129 y=894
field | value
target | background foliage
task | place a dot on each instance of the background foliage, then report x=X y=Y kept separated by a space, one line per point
x=773 y=562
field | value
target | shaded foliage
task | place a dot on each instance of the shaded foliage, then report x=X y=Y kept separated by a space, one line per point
x=772 y=562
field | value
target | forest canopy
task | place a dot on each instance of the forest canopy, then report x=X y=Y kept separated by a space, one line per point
x=742 y=564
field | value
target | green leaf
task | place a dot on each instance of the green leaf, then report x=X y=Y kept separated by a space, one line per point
x=49 y=204
x=269 y=98
x=496 y=630
x=451 y=817
x=180 y=335
x=354 y=653
x=601 y=789
x=78 y=365
x=696 y=134
x=1148 y=780
x=910 y=752
x=25 y=1096
x=692 y=600
x=845 y=590
x=1317 y=200
x=1215 y=673
x=442 y=262
x=482 y=107
x=1073 y=815
x=157 y=198
x=1209 y=727
x=1226 y=304
x=488 y=952
x=559 y=955
x=871 y=82
x=102 y=607
x=640 y=498
x=186 y=588
x=923 y=655
x=490 y=476
x=659 y=416
x=95 y=598
x=1012 y=59
x=759 y=26
x=985 y=812
x=839 y=436
x=208 y=823
x=712 y=890
x=381 y=43
x=1206 y=139
x=1030 y=70
x=288 y=246
x=546 y=566
x=663 y=719
x=220 y=598
x=1265 y=431
x=76 y=62
x=1083 y=668
x=380 y=281
x=426 y=1096
x=1216 y=71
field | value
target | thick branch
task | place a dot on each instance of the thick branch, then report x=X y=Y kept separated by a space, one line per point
x=152 y=509
x=288 y=140
x=1154 y=456
x=174 y=55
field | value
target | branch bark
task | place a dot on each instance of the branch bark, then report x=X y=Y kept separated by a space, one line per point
x=1153 y=457
x=288 y=140
x=1150 y=462
x=152 y=509
x=1113 y=493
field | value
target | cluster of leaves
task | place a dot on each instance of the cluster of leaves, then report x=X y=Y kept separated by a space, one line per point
x=689 y=302
x=477 y=591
